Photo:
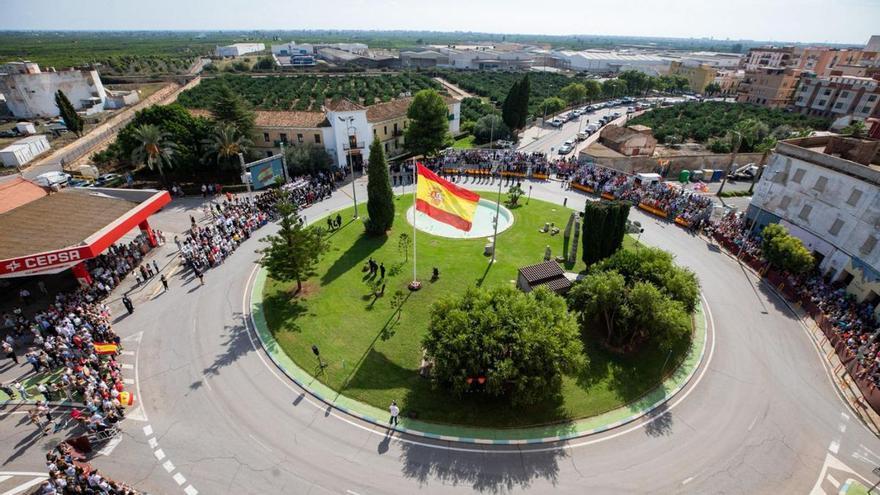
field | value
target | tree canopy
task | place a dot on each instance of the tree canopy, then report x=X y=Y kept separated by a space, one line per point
x=230 y=108
x=503 y=343
x=490 y=127
x=785 y=251
x=604 y=227
x=380 y=198
x=307 y=159
x=295 y=250
x=72 y=120
x=428 y=130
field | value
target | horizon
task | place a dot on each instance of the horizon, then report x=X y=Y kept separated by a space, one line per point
x=683 y=19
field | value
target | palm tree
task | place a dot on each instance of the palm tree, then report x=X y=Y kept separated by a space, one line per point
x=154 y=149
x=225 y=143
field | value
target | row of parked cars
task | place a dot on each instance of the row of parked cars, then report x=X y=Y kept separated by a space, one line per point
x=62 y=179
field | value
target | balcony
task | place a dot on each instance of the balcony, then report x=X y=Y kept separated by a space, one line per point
x=397 y=133
x=279 y=142
x=350 y=146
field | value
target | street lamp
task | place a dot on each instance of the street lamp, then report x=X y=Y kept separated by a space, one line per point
x=349 y=132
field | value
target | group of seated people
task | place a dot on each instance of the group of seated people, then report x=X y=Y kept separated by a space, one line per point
x=69 y=474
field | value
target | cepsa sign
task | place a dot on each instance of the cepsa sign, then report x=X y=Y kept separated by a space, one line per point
x=42 y=262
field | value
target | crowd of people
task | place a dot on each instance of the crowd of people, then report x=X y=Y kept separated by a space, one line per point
x=484 y=159
x=68 y=475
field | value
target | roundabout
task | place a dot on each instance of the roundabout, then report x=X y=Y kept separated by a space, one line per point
x=762 y=416
x=484 y=222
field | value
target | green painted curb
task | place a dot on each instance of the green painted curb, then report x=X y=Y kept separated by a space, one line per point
x=673 y=384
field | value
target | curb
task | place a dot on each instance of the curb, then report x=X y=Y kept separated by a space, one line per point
x=503 y=436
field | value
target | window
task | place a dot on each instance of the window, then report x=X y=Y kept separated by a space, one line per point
x=395 y=129
x=374 y=132
x=836 y=226
x=786 y=200
x=838 y=104
x=299 y=138
x=822 y=103
x=872 y=97
x=265 y=137
x=854 y=197
x=821 y=182
x=805 y=213
x=352 y=142
x=386 y=146
x=798 y=175
x=385 y=130
x=283 y=137
x=317 y=139
x=268 y=154
x=827 y=92
x=866 y=109
x=869 y=245
x=844 y=94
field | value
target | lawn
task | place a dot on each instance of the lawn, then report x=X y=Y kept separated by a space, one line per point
x=465 y=142
x=374 y=357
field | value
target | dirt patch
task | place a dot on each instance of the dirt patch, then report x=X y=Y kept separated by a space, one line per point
x=309 y=289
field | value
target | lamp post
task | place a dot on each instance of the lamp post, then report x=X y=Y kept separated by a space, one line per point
x=497 y=210
x=348 y=130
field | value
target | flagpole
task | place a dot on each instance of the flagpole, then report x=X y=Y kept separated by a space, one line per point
x=415 y=284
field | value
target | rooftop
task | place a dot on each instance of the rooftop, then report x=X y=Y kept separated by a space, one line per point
x=16 y=191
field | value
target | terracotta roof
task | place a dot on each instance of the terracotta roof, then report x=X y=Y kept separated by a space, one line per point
x=617 y=134
x=599 y=150
x=342 y=105
x=66 y=218
x=276 y=118
x=297 y=119
x=541 y=272
x=388 y=110
x=16 y=192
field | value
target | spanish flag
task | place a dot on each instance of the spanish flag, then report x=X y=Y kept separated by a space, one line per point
x=444 y=201
x=105 y=348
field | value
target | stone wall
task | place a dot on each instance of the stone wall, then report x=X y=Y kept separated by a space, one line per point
x=644 y=164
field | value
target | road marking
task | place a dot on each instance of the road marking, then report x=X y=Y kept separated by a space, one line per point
x=4 y=478
x=834 y=447
x=687 y=480
x=179 y=479
x=140 y=412
x=148 y=430
x=752 y=425
x=127 y=366
x=350 y=492
x=24 y=486
x=111 y=445
x=153 y=442
x=261 y=444
x=833 y=481
x=844 y=416
x=168 y=465
x=189 y=490
x=159 y=453
x=128 y=353
x=842 y=427
x=24 y=473
x=128 y=381
x=207 y=382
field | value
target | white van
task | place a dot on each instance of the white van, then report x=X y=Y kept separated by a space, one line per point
x=592 y=127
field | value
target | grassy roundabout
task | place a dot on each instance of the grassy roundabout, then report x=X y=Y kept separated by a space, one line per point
x=373 y=356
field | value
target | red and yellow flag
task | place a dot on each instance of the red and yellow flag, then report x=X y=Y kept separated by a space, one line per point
x=105 y=348
x=444 y=201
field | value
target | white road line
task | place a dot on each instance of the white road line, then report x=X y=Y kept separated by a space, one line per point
x=153 y=443
x=127 y=366
x=159 y=453
x=128 y=353
x=833 y=481
x=168 y=465
x=844 y=416
x=4 y=478
x=140 y=412
x=834 y=447
x=189 y=490
x=148 y=430
x=128 y=381
x=179 y=479
x=24 y=473
x=752 y=424
x=24 y=486
x=687 y=480
x=261 y=444
x=866 y=449
x=842 y=427
x=111 y=445
x=350 y=492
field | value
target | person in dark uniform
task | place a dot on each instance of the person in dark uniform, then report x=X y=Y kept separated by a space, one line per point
x=127 y=303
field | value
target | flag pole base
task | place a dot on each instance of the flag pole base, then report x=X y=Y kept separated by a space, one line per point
x=415 y=285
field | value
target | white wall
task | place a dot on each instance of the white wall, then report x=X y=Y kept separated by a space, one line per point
x=362 y=129
x=455 y=123
x=33 y=95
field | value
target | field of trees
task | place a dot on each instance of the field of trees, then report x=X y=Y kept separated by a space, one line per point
x=495 y=85
x=308 y=92
x=710 y=122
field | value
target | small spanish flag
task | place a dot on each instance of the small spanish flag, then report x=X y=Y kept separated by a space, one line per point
x=444 y=201
x=105 y=348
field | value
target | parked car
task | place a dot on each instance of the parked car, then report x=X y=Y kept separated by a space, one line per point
x=584 y=134
x=53 y=179
x=556 y=122
x=78 y=183
x=592 y=127
x=630 y=109
x=565 y=149
x=108 y=180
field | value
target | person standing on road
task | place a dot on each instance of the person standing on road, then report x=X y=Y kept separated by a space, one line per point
x=395 y=411
x=22 y=391
x=156 y=266
x=9 y=351
x=164 y=281
x=127 y=303
x=201 y=276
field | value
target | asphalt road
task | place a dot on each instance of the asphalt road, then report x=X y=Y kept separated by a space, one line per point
x=761 y=415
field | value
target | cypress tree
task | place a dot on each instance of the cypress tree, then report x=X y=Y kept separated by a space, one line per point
x=380 y=198
x=72 y=120
x=510 y=107
x=522 y=101
x=604 y=228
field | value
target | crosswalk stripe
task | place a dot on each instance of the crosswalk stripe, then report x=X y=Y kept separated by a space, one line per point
x=833 y=481
x=4 y=478
x=179 y=479
x=24 y=486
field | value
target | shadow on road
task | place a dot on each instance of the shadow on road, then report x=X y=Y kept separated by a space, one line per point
x=236 y=345
x=659 y=421
x=483 y=472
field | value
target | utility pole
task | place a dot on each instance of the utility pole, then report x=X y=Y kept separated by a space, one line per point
x=348 y=132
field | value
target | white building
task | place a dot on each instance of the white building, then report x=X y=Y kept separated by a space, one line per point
x=826 y=191
x=24 y=150
x=30 y=92
x=292 y=49
x=604 y=61
x=238 y=49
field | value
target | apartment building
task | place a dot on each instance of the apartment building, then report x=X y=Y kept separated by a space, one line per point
x=772 y=87
x=826 y=191
x=30 y=91
x=770 y=56
x=699 y=75
x=838 y=96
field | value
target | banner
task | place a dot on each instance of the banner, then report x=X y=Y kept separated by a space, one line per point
x=264 y=172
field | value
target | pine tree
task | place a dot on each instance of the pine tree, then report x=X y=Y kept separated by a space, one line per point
x=380 y=198
x=428 y=130
x=295 y=249
x=510 y=107
x=72 y=120
x=229 y=107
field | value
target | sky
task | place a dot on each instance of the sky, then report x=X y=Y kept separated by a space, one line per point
x=828 y=21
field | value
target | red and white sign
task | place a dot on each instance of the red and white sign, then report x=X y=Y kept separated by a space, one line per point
x=50 y=262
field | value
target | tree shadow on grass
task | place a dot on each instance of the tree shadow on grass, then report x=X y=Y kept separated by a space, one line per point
x=354 y=256
x=483 y=472
x=282 y=311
